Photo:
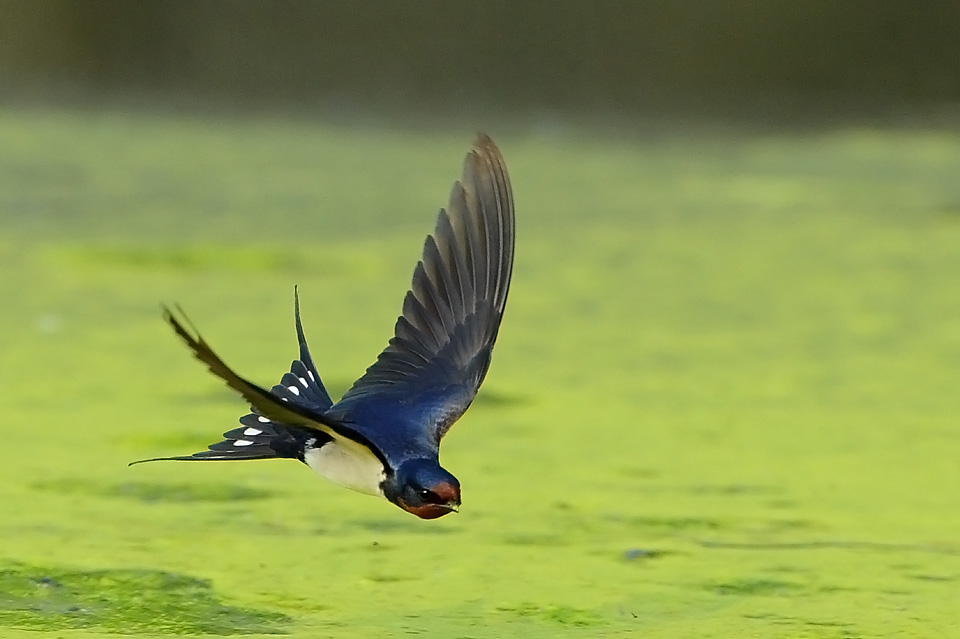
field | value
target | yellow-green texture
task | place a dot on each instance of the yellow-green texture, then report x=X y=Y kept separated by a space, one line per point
x=725 y=401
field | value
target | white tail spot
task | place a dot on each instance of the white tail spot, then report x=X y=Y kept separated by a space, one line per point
x=253 y=432
x=303 y=381
x=242 y=442
x=294 y=390
x=262 y=419
x=310 y=375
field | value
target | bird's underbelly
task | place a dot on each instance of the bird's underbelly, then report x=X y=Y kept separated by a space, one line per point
x=347 y=464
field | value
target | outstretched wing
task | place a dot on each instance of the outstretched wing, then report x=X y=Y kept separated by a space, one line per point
x=430 y=372
x=262 y=438
x=280 y=422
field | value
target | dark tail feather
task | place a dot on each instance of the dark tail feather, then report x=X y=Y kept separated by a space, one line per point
x=282 y=424
x=262 y=400
x=305 y=369
x=258 y=438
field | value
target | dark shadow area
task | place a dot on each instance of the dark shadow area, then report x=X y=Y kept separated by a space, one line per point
x=53 y=599
x=155 y=492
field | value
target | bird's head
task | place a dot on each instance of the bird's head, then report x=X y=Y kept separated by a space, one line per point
x=423 y=488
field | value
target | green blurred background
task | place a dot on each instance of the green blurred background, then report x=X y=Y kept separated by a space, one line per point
x=723 y=401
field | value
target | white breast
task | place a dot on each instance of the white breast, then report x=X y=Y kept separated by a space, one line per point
x=348 y=464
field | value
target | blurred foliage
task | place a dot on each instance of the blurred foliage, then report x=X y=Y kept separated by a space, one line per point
x=554 y=56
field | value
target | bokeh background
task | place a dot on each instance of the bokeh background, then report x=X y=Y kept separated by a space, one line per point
x=724 y=398
x=564 y=58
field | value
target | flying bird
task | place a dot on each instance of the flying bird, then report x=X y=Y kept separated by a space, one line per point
x=383 y=436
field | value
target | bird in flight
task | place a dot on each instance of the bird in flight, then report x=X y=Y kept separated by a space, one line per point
x=383 y=436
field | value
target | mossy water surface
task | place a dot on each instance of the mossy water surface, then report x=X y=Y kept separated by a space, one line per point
x=724 y=401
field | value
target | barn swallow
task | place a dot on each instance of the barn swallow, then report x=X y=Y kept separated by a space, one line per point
x=383 y=436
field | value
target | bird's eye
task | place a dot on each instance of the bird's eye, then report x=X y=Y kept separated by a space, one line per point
x=427 y=495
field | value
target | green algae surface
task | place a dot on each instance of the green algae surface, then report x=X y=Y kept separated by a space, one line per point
x=724 y=402
x=124 y=601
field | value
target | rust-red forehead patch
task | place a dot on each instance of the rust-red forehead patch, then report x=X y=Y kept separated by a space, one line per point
x=446 y=491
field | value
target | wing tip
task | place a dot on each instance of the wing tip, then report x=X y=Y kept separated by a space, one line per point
x=484 y=145
x=488 y=159
x=482 y=140
x=181 y=324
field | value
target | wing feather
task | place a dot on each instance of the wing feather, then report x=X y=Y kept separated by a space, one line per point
x=451 y=315
x=263 y=402
x=304 y=368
